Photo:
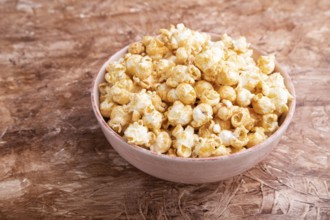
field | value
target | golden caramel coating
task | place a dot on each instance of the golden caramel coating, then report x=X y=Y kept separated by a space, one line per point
x=266 y=64
x=210 y=97
x=186 y=93
x=227 y=92
x=119 y=118
x=162 y=143
x=202 y=114
x=202 y=86
x=136 y=48
x=179 y=114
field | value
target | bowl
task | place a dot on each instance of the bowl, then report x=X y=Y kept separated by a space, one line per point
x=190 y=170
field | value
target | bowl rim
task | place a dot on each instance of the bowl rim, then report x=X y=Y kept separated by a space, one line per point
x=288 y=118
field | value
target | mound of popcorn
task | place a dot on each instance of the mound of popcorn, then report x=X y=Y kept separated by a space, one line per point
x=182 y=94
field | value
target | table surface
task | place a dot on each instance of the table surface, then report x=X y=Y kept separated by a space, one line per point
x=55 y=161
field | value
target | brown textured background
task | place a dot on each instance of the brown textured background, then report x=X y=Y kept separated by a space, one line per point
x=54 y=159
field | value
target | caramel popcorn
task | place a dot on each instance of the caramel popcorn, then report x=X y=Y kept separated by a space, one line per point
x=182 y=94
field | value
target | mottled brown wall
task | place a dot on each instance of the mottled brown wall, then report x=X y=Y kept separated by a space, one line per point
x=54 y=159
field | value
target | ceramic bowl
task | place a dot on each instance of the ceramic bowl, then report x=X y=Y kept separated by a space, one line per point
x=190 y=170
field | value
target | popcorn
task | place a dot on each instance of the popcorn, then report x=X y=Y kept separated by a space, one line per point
x=131 y=63
x=143 y=69
x=226 y=137
x=224 y=124
x=207 y=62
x=202 y=114
x=206 y=147
x=186 y=93
x=227 y=76
x=106 y=108
x=152 y=118
x=115 y=72
x=157 y=103
x=269 y=122
x=240 y=117
x=184 y=140
x=136 y=48
x=249 y=80
x=241 y=138
x=119 y=94
x=224 y=113
x=162 y=143
x=155 y=48
x=244 y=97
x=119 y=118
x=182 y=55
x=227 y=92
x=206 y=130
x=210 y=97
x=275 y=80
x=162 y=90
x=256 y=137
x=266 y=64
x=172 y=95
x=262 y=104
x=137 y=133
x=221 y=151
x=240 y=45
x=181 y=94
x=202 y=86
x=179 y=114
x=179 y=74
x=140 y=101
x=162 y=68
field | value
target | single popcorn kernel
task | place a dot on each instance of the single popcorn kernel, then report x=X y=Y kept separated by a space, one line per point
x=115 y=73
x=227 y=77
x=136 y=48
x=202 y=86
x=184 y=140
x=256 y=137
x=119 y=118
x=184 y=95
x=140 y=101
x=266 y=64
x=137 y=133
x=241 y=137
x=206 y=147
x=224 y=113
x=244 y=97
x=210 y=97
x=162 y=90
x=179 y=114
x=239 y=117
x=227 y=92
x=202 y=114
x=155 y=48
x=106 y=108
x=119 y=94
x=226 y=137
x=152 y=118
x=178 y=74
x=131 y=63
x=269 y=122
x=182 y=55
x=262 y=104
x=162 y=143
x=172 y=95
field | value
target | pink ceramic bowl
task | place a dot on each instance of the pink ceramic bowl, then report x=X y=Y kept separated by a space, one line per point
x=189 y=170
